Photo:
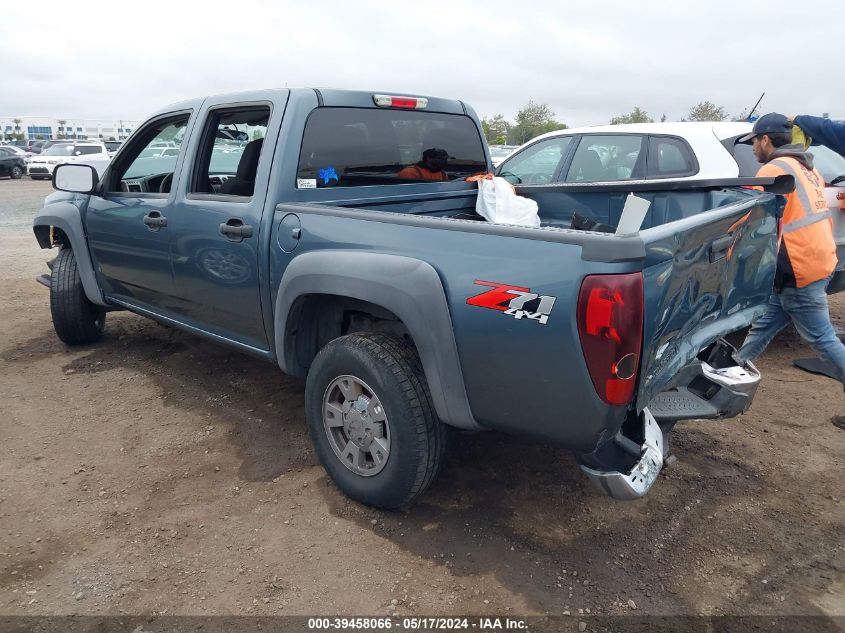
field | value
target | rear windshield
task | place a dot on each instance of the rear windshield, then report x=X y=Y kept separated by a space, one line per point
x=348 y=147
x=87 y=149
x=829 y=163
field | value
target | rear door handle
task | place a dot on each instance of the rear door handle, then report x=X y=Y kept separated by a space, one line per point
x=719 y=247
x=154 y=220
x=235 y=229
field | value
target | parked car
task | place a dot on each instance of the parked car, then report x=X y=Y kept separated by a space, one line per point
x=12 y=163
x=34 y=147
x=41 y=167
x=112 y=147
x=405 y=312
x=498 y=153
x=19 y=151
x=663 y=151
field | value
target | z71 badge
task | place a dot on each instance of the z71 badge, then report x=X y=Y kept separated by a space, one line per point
x=515 y=301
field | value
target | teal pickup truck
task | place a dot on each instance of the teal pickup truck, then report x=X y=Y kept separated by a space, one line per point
x=279 y=223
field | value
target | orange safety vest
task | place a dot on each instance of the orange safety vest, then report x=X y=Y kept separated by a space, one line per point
x=418 y=172
x=807 y=224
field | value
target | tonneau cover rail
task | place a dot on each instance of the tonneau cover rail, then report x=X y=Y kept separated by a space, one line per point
x=777 y=184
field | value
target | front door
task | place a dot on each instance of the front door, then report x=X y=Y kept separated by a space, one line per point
x=216 y=221
x=128 y=226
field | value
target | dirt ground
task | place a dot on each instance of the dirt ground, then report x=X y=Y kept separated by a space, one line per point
x=156 y=473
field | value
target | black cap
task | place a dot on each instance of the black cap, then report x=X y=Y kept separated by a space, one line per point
x=771 y=123
x=435 y=152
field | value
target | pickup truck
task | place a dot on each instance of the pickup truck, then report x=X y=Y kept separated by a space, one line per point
x=281 y=227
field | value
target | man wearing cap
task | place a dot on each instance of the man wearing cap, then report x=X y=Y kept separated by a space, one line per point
x=807 y=253
x=434 y=161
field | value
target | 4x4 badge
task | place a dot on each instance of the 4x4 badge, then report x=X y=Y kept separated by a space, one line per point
x=515 y=301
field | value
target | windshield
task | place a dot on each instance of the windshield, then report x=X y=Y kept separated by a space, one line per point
x=59 y=150
x=829 y=163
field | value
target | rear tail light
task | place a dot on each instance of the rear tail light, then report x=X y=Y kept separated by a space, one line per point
x=610 y=326
x=390 y=101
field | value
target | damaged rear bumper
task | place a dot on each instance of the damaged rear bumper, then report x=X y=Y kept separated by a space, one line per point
x=713 y=386
x=633 y=483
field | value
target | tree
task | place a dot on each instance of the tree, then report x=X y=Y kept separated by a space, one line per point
x=496 y=129
x=637 y=115
x=532 y=120
x=663 y=118
x=706 y=111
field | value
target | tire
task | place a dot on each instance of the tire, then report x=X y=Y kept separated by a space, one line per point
x=76 y=320
x=390 y=374
x=16 y=172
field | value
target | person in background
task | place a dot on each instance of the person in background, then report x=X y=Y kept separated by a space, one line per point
x=431 y=167
x=823 y=131
x=807 y=254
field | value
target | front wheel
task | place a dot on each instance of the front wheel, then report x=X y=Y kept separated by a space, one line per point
x=16 y=172
x=371 y=419
x=76 y=320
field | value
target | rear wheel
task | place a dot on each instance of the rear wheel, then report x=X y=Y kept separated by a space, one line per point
x=371 y=419
x=76 y=320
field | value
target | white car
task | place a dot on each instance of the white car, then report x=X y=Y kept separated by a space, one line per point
x=41 y=166
x=663 y=151
x=498 y=153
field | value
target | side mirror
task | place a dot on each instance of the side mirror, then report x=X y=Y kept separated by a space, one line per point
x=75 y=178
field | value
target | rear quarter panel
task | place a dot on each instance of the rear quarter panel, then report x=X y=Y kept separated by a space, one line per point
x=521 y=376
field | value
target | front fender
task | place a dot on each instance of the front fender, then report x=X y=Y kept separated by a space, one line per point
x=66 y=217
x=410 y=288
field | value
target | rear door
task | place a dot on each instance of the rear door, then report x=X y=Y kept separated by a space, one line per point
x=216 y=221
x=704 y=277
x=6 y=161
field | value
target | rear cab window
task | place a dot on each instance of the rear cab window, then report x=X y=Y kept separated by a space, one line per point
x=81 y=150
x=350 y=147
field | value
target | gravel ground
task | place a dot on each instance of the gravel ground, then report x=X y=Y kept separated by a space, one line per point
x=156 y=473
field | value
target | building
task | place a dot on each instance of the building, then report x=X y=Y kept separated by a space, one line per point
x=37 y=128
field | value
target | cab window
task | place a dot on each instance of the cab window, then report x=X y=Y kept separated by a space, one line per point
x=228 y=155
x=144 y=166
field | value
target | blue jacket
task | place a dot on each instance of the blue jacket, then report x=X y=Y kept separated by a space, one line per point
x=824 y=131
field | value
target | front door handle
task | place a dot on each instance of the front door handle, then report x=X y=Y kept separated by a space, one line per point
x=154 y=220
x=235 y=229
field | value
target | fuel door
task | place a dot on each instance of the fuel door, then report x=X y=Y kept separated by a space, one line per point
x=290 y=230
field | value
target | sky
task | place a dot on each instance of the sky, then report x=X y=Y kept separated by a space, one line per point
x=587 y=61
